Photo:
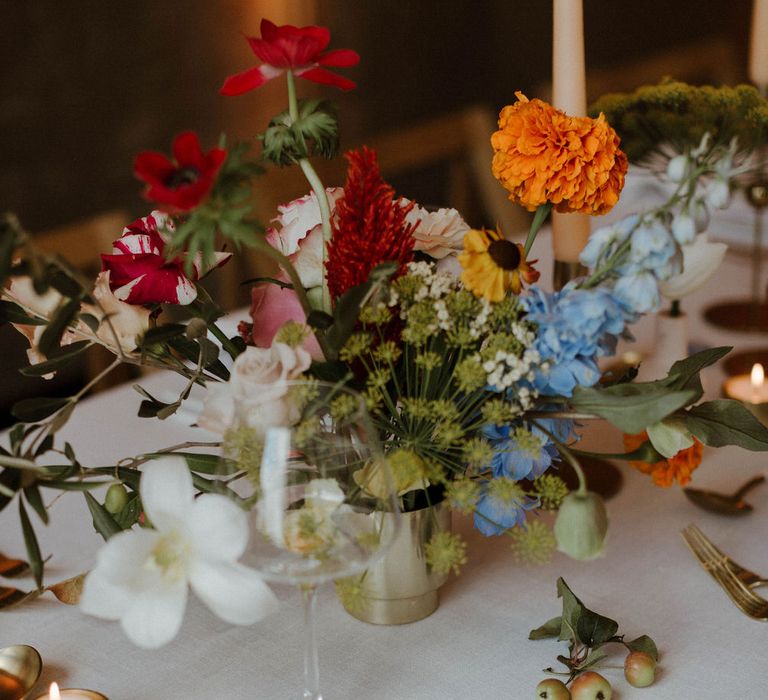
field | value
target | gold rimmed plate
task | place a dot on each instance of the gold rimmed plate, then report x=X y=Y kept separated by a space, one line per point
x=20 y=667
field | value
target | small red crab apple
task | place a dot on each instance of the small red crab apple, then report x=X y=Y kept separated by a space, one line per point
x=552 y=689
x=591 y=686
x=639 y=669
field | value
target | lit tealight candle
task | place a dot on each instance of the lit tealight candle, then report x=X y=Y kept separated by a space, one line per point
x=54 y=693
x=751 y=389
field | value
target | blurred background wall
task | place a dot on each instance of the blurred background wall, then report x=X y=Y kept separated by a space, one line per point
x=86 y=84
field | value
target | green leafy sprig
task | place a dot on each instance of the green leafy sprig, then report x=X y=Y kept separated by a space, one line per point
x=587 y=633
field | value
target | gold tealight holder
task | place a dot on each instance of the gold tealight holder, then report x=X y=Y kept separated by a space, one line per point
x=751 y=390
x=56 y=693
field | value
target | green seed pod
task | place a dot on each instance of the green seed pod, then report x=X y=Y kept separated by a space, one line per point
x=581 y=526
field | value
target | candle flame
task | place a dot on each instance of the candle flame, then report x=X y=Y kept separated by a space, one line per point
x=53 y=692
x=757 y=377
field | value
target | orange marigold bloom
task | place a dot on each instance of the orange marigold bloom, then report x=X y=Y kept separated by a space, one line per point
x=543 y=155
x=664 y=473
x=492 y=265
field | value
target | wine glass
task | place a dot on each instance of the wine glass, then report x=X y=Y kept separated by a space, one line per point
x=324 y=503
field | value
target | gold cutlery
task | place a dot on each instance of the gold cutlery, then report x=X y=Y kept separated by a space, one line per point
x=725 y=504
x=733 y=578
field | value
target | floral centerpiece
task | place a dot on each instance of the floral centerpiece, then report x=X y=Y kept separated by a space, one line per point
x=476 y=379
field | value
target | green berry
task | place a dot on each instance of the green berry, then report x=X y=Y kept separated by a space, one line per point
x=639 y=669
x=552 y=689
x=591 y=686
x=116 y=498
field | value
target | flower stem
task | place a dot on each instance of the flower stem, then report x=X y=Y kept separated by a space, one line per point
x=226 y=343
x=538 y=221
x=317 y=187
x=569 y=457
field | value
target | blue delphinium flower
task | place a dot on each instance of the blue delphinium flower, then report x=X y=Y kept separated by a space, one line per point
x=575 y=326
x=502 y=505
x=653 y=249
x=605 y=241
x=638 y=292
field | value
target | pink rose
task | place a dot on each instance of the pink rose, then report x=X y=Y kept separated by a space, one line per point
x=139 y=271
x=271 y=307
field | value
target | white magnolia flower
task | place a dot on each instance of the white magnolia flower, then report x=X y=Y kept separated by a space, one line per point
x=142 y=576
x=700 y=260
x=258 y=385
x=439 y=233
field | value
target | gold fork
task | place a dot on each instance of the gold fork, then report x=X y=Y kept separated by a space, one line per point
x=722 y=569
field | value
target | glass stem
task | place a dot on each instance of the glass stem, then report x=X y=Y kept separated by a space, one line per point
x=311 y=666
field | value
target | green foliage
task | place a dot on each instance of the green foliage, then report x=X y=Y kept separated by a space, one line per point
x=679 y=114
x=315 y=132
x=586 y=632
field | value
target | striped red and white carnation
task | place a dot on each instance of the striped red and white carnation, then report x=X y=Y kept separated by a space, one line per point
x=140 y=272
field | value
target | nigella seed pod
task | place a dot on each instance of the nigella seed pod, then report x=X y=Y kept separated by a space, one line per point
x=581 y=525
x=678 y=168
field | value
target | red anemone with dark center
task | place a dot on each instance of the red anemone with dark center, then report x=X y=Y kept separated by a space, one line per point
x=299 y=49
x=181 y=183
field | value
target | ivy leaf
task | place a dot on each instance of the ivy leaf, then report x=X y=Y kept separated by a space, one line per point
x=593 y=629
x=551 y=628
x=727 y=422
x=572 y=608
x=643 y=643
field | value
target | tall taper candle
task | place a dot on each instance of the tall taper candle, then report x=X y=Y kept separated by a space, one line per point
x=758 y=44
x=569 y=93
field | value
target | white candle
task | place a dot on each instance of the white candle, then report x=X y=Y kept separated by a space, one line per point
x=758 y=44
x=569 y=93
x=54 y=693
x=748 y=388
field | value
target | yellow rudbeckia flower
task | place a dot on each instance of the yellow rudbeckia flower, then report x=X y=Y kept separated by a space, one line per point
x=493 y=265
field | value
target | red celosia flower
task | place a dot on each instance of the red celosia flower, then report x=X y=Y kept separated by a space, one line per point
x=369 y=227
x=182 y=183
x=299 y=49
x=139 y=272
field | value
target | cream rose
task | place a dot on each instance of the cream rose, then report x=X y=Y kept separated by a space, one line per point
x=257 y=392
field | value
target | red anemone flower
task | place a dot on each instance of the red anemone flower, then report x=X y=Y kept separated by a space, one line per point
x=182 y=183
x=299 y=49
x=139 y=271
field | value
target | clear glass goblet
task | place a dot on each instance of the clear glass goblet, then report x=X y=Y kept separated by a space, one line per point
x=324 y=505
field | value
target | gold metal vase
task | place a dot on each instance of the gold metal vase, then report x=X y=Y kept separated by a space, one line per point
x=401 y=587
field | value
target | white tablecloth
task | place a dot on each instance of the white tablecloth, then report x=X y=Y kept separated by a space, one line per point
x=475 y=645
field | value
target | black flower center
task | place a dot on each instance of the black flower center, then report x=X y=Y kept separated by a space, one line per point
x=505 y=254
x=182 y=176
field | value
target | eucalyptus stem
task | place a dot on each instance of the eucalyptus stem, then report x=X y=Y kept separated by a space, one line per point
x=317 y=187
